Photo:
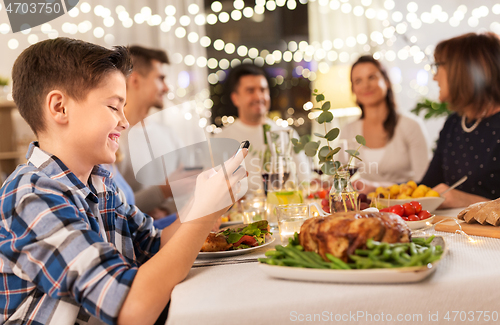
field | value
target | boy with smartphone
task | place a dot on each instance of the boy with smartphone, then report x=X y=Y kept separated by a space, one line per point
x=70 y=251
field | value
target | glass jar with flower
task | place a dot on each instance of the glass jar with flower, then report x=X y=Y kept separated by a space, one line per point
x=342 y=195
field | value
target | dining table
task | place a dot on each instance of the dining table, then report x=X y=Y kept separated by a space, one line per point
x=463 y=289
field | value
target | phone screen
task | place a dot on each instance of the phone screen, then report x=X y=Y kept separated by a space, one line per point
x=243 y=145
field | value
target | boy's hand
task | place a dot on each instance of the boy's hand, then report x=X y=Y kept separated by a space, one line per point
x=179 y=174
x=217 y=190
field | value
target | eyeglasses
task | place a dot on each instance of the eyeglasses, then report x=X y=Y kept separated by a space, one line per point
x=434 y=67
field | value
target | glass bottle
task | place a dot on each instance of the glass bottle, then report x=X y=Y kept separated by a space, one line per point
x=266 y=159
x=342 y=196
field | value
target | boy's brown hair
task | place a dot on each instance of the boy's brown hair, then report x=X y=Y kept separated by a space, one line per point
x=472 y=63
x=72 y=66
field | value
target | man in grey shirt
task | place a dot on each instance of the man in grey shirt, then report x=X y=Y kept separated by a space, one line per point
x=145 y=89
x=248 y=88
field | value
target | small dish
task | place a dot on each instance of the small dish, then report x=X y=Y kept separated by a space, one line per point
x=428 y=203
x=414 y=225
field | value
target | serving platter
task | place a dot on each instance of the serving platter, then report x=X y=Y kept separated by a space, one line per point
x=388 y=275
x=236 y=252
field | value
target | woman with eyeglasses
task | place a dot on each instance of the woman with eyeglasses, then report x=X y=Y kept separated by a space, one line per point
x=468 y=75
x=396 y=148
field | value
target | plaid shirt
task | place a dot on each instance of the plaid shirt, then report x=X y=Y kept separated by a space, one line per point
x=68 y=252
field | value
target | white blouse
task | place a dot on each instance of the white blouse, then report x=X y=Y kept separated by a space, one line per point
x=405 y=157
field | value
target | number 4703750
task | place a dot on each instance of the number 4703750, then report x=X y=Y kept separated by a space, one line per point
x=33 y=8
x=471 y=316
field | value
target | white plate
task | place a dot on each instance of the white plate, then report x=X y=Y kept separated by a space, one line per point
x=233 y=252
x=231 y=223
x=396 y=275
x=428 y=203
x=414 y=225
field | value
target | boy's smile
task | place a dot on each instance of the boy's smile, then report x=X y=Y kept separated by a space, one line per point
x=115 y=137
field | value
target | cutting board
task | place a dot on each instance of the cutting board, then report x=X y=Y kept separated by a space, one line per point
x=475 y=229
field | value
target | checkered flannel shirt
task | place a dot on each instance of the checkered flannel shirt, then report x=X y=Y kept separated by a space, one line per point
x=68 y=252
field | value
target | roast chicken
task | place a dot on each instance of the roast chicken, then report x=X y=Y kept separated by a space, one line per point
x=482 y=212
x=340 y=234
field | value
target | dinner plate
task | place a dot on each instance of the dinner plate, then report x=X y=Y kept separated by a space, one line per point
x=428 y=203
x=393 y=275
x=233 y=252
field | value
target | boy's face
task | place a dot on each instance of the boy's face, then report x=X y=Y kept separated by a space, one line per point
x=95 y=123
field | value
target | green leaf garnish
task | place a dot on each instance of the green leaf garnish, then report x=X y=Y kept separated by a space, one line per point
x=361 y=140
x=332 y=134
x=311 y=148
x=234 y=237
x=325 y=117
x=333 y=152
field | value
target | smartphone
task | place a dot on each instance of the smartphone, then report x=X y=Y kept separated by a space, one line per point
x=243 y=145
x=193 y=168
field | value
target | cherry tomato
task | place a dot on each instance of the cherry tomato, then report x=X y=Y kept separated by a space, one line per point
x=325 y=203
x=413 y=218
x=385 y=210
x=326 y=209
x=398 y=209
x=417 y=206
x=409 y=209
x=404 y=218
x=310 y=196
x=424 y=214
x=322 y=194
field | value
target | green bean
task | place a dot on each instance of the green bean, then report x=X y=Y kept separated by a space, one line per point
x=376 y=255
x=337 y=261
x=296 y=254
x=430 y=239
x=419 y=240
x=294 y=262
x=273 y=253
x=386 y=254
x=375 y=252
x=413 y=249
x=269 y=261
x=316 y=257
x=405 y=256
x=362 y=252
x=371 y=244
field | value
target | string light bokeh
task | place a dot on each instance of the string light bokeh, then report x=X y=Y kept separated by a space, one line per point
x=399 y=23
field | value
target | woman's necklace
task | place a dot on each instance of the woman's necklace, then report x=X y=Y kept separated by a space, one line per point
x=473 y=127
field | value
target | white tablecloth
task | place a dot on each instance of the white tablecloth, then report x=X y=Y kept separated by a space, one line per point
x=466 y=283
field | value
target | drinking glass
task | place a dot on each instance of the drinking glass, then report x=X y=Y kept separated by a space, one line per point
x=281 y=187
x=290 y=219
x=254 y=209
